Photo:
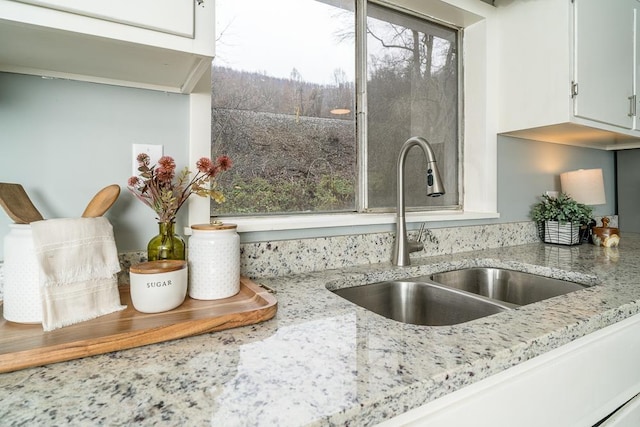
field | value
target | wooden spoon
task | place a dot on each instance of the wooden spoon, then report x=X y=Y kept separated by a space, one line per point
x=102 y=201
x=17 y=204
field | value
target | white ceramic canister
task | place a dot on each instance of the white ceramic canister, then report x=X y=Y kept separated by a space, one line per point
x=22 y=300
x=158 y=286
x=214 y=261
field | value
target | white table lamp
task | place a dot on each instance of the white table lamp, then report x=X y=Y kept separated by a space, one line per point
x=585 y=186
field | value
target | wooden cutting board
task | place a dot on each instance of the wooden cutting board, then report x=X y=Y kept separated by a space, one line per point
x=23 y=346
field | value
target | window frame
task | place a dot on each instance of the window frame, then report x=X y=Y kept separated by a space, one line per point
x=479 y=129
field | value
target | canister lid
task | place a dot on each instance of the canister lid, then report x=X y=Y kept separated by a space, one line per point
x=159 y=266
x=214 y=226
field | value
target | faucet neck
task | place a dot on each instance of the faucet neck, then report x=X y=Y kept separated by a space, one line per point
x=401 y=247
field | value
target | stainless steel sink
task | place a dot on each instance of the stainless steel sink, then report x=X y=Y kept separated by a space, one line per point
x=505 y=285
x=456 y=296
x=421 y=303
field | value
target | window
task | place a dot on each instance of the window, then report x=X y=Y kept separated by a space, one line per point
x=284 y=106
x=412 y=90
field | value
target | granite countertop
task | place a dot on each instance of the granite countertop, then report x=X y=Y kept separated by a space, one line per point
x=325 y=361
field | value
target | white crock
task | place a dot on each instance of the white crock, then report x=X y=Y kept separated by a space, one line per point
x=214 y=261
x=22 y=301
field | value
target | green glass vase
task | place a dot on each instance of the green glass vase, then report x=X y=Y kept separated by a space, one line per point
x=167 y=244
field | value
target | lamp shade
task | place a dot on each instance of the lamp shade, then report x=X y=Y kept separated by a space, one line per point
x=584 y=186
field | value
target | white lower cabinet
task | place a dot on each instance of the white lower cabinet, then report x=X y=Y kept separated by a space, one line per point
x=578 y=384
x=627 y=416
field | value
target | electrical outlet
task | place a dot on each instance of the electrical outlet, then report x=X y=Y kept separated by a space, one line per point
x=552 y=194
x=153 y=151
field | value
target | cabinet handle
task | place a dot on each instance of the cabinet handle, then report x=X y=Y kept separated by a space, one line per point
x=632 y=106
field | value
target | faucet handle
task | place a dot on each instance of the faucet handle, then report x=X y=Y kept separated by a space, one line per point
x=417 y=245
x=420 y=232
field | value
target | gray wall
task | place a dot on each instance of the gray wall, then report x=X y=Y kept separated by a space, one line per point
x=526 y=169
x=629 y=190
x=64 y=140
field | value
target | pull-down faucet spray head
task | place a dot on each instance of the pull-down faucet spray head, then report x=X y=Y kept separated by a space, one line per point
x=435 y=188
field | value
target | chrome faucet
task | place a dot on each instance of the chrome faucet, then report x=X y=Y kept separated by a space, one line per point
x=403 y=246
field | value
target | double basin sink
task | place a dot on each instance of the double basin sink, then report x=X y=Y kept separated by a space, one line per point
x=456 y=296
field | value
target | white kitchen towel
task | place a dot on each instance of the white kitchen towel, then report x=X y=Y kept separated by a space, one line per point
x=78 y=262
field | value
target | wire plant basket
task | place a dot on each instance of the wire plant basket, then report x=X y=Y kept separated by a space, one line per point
x=562 y=233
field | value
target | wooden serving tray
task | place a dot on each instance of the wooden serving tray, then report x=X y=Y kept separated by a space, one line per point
x=23 y=346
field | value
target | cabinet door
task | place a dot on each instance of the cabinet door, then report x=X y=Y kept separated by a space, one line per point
x=636 y=65
x=169 y=16
x=627 y=416
x=604 y=60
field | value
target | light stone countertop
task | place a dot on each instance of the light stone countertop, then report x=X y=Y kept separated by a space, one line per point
x=324 y=361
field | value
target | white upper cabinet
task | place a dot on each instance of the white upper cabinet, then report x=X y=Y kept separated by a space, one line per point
x=568 y=71
x=154 y=44
x=604 y=42
x=170 y=16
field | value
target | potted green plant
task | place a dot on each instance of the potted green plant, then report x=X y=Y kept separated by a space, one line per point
x=561 y=218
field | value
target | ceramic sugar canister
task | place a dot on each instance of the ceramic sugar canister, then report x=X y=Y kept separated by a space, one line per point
x=214 y=261
x=158 y=286
x=22 y=302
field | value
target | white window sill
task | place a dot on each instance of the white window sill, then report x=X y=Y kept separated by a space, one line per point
x=298 y=222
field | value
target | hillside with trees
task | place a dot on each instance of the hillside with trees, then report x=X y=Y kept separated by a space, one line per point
x=295 y=154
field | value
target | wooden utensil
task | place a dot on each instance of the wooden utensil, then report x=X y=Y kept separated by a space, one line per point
x=102 y=201
x=17 y=204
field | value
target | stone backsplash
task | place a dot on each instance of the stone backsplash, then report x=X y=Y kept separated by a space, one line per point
x=284 y=257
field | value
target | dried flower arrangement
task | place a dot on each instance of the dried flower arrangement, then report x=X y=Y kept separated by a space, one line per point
x=159 y=187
